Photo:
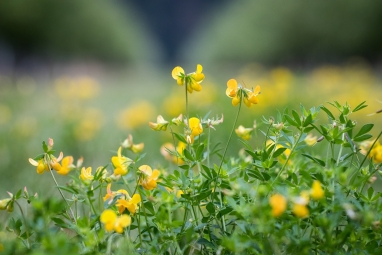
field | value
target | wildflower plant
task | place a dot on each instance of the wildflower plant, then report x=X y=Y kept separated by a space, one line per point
x=305 y=185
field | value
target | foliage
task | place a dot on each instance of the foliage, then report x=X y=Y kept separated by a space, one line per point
x=276 y=198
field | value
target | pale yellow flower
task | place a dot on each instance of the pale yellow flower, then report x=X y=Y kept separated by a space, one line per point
x=161 y=124
x=86 y=174
x=310 y=139
x=244 y=133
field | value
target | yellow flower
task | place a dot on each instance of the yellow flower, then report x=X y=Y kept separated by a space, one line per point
x=179 y=193
x=4 y=203
x=317 y=192
x=120 y=163
x=149 y=177
x=192 y=80
x=300 y=211
x=40 y=164
x=161 y=124
x=129 y=203
x=111 y=194
x=310 y=140
x=86 y=174
x=65 y=167
x=278 y=203
x=244 y=133
x=237 y=91
x=195 y=126
x=112 y=222
x=299 y=205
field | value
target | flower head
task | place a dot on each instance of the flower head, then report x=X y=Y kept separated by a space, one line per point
x=278 y=203
x=192 y=80
x=149 y=177
x=317 y=192
x=237 y=92
x=65 y=167
x=86 y=175
x=161 y=124
x=310 y=140
x=120 y=163
x=41 y=166
x=244 y=133
x=300 y=208
x=195 y=126
x=112 y=222
x=129 y=203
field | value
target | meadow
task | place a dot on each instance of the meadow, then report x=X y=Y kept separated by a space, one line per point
x=296 y=172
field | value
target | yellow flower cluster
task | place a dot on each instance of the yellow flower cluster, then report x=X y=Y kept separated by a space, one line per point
x=278 y=202
x=112 y=222
x=62 y=168
x=375 y=152
x=120 y=163
x=237 y=92
x=191 y=80
x=149 y=177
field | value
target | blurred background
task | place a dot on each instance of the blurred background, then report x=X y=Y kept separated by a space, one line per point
x=87 y=75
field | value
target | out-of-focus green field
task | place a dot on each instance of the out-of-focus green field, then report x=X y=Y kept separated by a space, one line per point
x=90 y=115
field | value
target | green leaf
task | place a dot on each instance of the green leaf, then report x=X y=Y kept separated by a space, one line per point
x=308 y=129
x=59 y=222
x=180 y=138
x=360 y=106
x=291 y=121
x=188 y=155
x=308 y=121
x=40 y=156
x=296 y=117
x=199 y=152
x=44 y=146
x=278 y=152
x=362 y=138
x=342 y=119
x=210 y=208
x=255 y=173
x=205 y=242
x=329 y=113
x=318 y=161
x=366 y=128
x=370 y=193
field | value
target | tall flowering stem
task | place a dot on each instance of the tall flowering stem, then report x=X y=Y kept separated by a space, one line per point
x=223 y=157
x=47 y=162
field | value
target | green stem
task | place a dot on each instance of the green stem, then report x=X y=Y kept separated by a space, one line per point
x=289 y=156
x=144 y=212
x=370 y=175
x=340 y=152
x=208 y=147
x=226 y=147
x=59 y=189
x=25 y=223
x=222 y=161
x=363 y=161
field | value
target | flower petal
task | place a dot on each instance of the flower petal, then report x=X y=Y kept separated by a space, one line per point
x=176 y=72
x=232 y=84
x=199 y=68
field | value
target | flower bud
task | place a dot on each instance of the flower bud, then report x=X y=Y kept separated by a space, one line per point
x=4 y=203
